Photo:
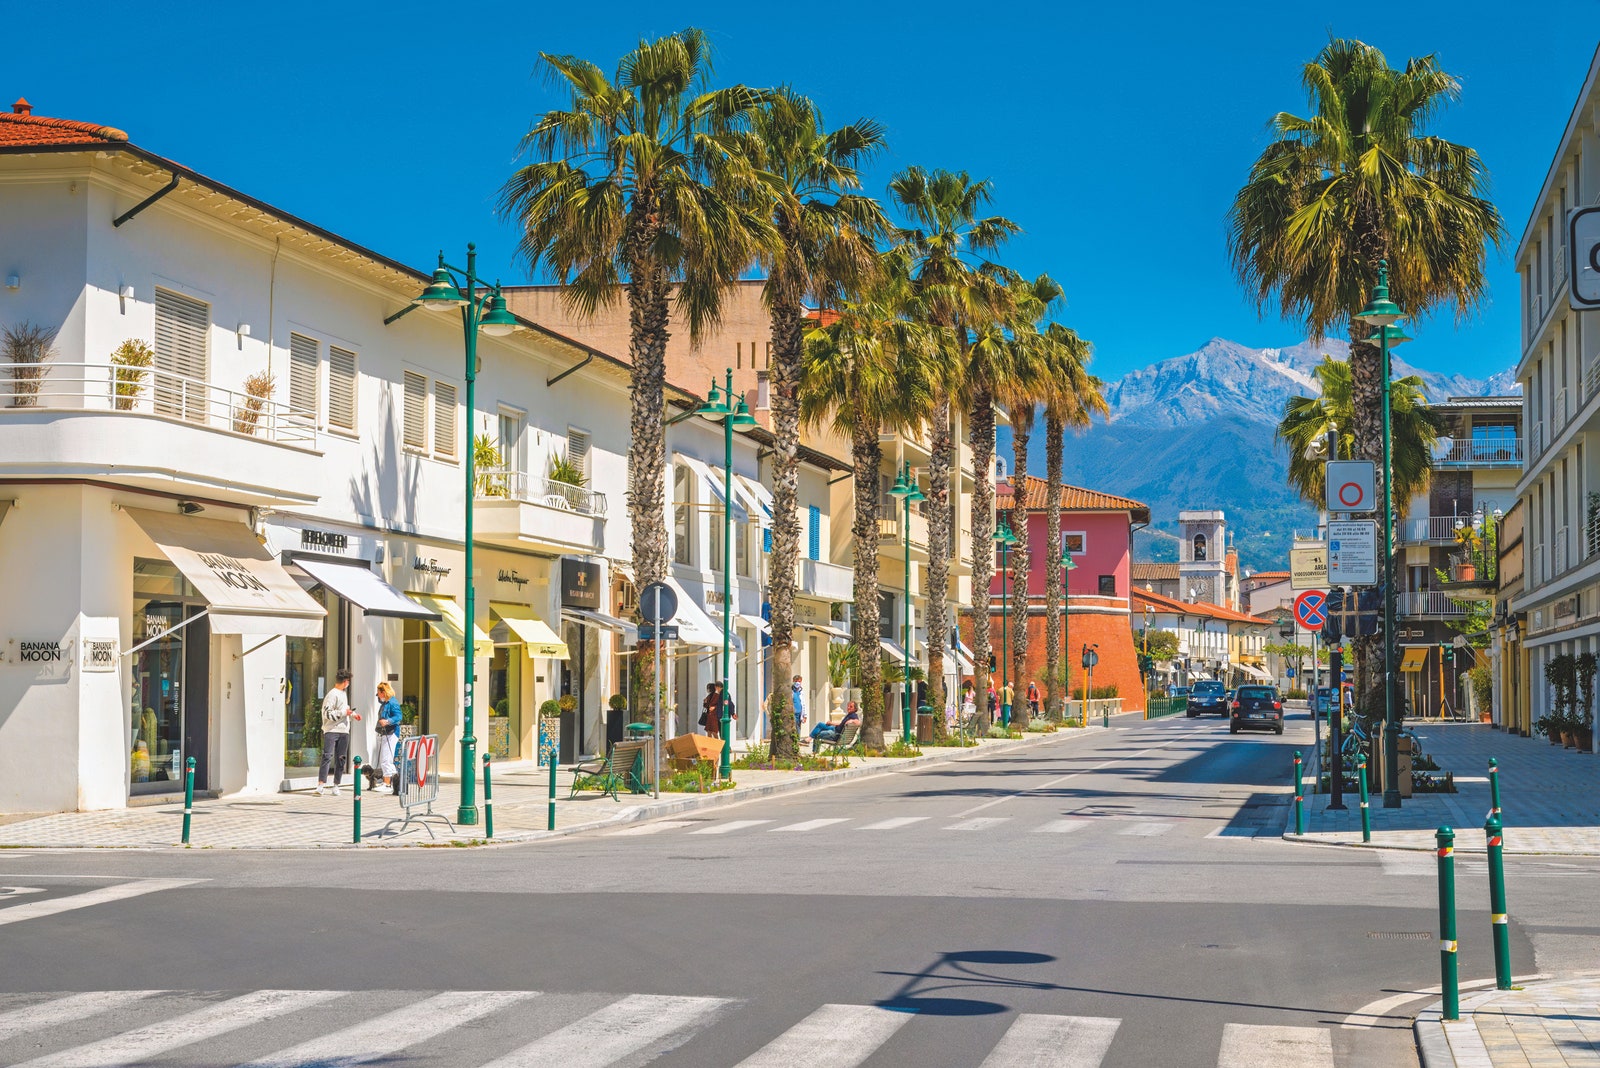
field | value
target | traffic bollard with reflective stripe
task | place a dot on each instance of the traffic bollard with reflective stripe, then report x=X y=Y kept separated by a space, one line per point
x=1299 y=795
x=1448 y=972
x=488 y=801
x=552 y=820
x=188 y=797
x=355 y=833
x=1497 y=904
x=1366 y=813
x=1494 y=788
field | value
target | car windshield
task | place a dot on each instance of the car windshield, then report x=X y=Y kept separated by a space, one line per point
x=1207 y=689
x=1261 y=692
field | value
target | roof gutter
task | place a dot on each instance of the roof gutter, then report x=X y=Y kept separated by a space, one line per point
x=147 y=201
x=585 y=362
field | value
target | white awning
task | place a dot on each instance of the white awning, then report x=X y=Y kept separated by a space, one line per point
x=836 y=633
x=712 y=480
x=587 y=617
x=360 y=585
x=535 y=634
x=451 y=625
x=1254 y=672
x=895 y=653
x=964 y=658
x=695 y=626
x=757 y=498
x=761 y=625
x=249 y=592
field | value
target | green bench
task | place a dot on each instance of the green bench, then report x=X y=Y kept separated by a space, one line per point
x=848 y=740
x=623 y=767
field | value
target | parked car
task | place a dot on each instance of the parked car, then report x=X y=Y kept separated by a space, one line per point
x=1177 y=693
x=1208 y=696
x=1256 y=708
x=1324 y=701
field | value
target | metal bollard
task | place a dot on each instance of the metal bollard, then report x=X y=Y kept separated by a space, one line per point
x=188 y=796
x=355 y=833
x=1366 y=813
x=1448 y=969
x=488 y=801
x=1494 y=788
x=551 y=823
x=1497 y=904
x=1299 y=795
x=1105 y=716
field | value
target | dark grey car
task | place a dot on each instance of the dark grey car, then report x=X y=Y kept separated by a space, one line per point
x=1208 y=696
x=1256 y=708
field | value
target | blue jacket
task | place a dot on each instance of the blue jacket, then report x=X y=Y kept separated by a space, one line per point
x=390 y=713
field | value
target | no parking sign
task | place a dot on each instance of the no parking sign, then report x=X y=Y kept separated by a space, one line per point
x=1311 y=609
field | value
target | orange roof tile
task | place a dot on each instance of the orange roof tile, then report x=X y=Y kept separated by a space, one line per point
x=1153 y=571
x=20 y=128
x=1171 y=604
x=1036 y=494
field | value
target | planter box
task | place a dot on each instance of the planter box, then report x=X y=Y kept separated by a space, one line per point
x=686 y=749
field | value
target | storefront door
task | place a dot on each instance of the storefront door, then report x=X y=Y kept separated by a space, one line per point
x=169 y=706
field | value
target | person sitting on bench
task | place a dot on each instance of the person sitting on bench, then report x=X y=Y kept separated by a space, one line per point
x=829 y=732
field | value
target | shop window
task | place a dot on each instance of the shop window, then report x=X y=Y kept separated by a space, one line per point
x=308 y=672
x=168 y=713
x=506 y=667
x=682 y=515
x=342 y=379
x=414 y=676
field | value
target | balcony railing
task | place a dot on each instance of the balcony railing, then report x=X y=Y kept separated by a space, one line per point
x=1592 y=379
x=1536 y=438
x=1558 y=552
x=1591 y=537
x=1430 y=603
x=91 y=387
x=1558 y=412
x=1483 y=452
x=825 y=581
x=890 y=527
x=535 y=489
x=1539 y=570
x=1432 y=530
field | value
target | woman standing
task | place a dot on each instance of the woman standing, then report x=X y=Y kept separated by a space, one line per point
x=1033 y=700
x=389 y=716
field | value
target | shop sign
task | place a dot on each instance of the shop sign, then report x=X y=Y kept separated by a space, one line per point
x=232 y=572
x=99 y=654
x=430 y=566
x=1566 y=608
x=580 y=584
x=39 y=653
x=809 y=613
x=511 y=577
x=324 y=541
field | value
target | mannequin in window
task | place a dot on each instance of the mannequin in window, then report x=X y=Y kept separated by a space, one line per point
x=1199 y=546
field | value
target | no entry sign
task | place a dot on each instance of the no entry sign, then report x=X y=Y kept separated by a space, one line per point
x=1311 y=609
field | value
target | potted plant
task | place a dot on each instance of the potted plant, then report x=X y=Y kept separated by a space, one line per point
x=28 y=346
x=489 y=464
x=257 y=388
x=842 y=663
x=549 y=731
x=408 y=720
x=1583 y=711
x=567 y=703
x=131 y=362
x=1560 y=672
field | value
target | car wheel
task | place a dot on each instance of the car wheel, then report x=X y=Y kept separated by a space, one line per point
x=1192 y=715
x=1280 y=732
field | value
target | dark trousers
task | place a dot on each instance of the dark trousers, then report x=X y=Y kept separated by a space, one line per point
x=335 y=755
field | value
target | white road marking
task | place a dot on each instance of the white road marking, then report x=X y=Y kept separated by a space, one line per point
x=651 y=828
x=65 y=1010
x=1261 y=1046
x=18 y=891
x=1374 y=1012
x=1040 y=1041
x=979 y=824
x=835 y=1036
x=810 y=825
x=1147 y=829
x=144 y=1043
x=893 y=823
x=1073 y=775
x=1063 y=826
x=382 y=1036
x=730 y=826
x=34 y=910
x=614 y=1032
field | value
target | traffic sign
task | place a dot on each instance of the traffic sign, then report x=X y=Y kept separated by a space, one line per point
x=1311 y=609
x=658 y=602
x=648 y=632
x=1353 y=552
x=1583 y=258
x=1308 y=568
x=1349 y=486
x=1353 y=613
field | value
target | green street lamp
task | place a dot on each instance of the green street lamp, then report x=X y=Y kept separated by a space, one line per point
x=481 y=309
x=1005 y=538
x=1067 y=568
x=721 y=407
x=1383 y=313
x=906 y=490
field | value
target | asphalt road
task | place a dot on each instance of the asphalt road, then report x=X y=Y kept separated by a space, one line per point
x=1105 y=897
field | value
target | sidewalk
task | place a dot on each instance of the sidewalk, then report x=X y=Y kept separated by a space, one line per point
x=1548 y=796
x=301 y=820
x=1544 y=1025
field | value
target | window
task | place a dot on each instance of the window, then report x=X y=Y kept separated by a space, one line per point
x=716 y=537
x=415 y=411
x=578 y=450
x=814 y=528
x=341 y=388
x=763 y=390
x=681 y=515
x=1199 y=547
x=1072 y=542
x=741 y=547
x=182 y=363
x=888 y=618
x=304 y=362
x=1108 y=585
x=511 y=424
x=444 y=420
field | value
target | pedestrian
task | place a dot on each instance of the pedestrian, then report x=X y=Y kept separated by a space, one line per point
x=1033 y=699
x=336 y=717
x=389 y=716
x=798 y=692
x=994 y=704
x=829 y=732
x=1007 y=699
x=711 y=711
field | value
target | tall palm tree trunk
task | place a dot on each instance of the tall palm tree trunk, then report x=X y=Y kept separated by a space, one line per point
x=648 y=333
x=1021 y=554
x=867 y=453
x=980 y=434
x=1055 y=690
x=940 y=536
x=786 y=355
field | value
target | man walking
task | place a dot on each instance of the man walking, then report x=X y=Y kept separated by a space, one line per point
x=336 y=717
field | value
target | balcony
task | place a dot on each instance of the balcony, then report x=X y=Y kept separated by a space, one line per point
x=1431 y=530
x=1498 y=452
x=1558 y=552
x=1430 y=603
x=824 y=581
x=892 y=529
x=516 y=509
x=160 y=431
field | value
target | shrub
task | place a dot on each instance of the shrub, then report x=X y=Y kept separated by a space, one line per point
x=550 y=709
x=759 y=758
x=567 y=702
x=1099 y=693
x=617 y=702
x=257 y=388
x=28 y=346
x=699 y=779
x=997 y=731
x=1295 y=695
x=1041 y=726
x=132 y=361
x=900 y=748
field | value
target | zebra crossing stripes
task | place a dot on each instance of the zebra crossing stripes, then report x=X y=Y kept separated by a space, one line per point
x=1264 y=1046
x=65 y=1010
x=978 y=823
x=810 y=825
x=893 y=823
x=730 y=826
x=1148 y=830
x=34 y=910
x=835 y=1036
x=379 y=1038
x=1062 y=826
x=1035 y=1040
x=651 y=828
x=619 y=1030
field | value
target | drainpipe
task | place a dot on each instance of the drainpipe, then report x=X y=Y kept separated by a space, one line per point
x=147 y=201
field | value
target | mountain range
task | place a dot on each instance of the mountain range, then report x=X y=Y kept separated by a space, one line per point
x=1196 y=431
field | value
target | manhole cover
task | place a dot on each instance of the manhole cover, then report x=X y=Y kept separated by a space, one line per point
x=1403 y=936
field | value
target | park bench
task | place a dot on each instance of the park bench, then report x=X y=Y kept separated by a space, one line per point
x=622 y=767
x=844 y=743
x=967 y=726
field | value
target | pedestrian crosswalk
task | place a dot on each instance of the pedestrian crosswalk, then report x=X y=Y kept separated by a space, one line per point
x=1120 y=825
x=534 y=1029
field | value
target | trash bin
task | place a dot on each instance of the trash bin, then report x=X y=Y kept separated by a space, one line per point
x=924 y=724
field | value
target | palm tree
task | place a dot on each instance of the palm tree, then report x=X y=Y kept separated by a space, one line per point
x=827 y=244
x=1415 y=428
x=630 y=192
x=867 y=371
x=1357 y=182
x=947 y=241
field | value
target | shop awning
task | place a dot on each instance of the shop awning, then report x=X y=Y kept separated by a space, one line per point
x=1254 y=672
x=586 y=618
x=360 y=585
x=1416 y=658
x=535 y=634
x=248 y=591
x=695 y=626
x=761 y=625
x=893 y=650
x=712 y=481
x=451 y=625
x=838 y=633
x=756 y=497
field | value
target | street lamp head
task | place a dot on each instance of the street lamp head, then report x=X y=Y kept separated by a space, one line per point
x=1395 y=336
x=441 y=294
x=1005 y=536
x=1498 y=515
x=715 y=408
x=916 y=493
x=900 y=491
x=498 y=320
x=742 y=419
x=1380 y=310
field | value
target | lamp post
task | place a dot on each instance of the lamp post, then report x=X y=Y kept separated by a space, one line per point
x=1485 y=528
x=733 y=416
x=1005 y=538
x=480 y=310
x=907 y=491
x=1067 y=569
x=1149 y=665
x=1383 y=313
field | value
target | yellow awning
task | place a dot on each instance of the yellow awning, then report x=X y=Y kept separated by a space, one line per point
x=1415 y=659
x=535 y=634
x=451 y=624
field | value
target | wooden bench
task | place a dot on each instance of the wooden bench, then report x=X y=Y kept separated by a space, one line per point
x=622 y=767
x=847 y=740
x=967 y=726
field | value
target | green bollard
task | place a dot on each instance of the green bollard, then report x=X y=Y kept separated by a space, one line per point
x=1366 y=813
x=1105 y=716
x=488 y=801
x=1497 y=904
x=1299 y=795
x=188 y=797
x=1448 y=973
x=1494 y=788
x=551 y=822
x=355 y=833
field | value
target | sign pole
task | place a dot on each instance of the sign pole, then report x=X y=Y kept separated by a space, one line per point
x=656 y=686
x=1336 y=729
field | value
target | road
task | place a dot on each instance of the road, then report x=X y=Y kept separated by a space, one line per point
x=1103 y=897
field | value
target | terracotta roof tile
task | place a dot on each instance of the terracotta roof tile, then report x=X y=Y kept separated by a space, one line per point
x=1036 y=494
x=20 y=128
x=1170 y=604
x=1154 y=571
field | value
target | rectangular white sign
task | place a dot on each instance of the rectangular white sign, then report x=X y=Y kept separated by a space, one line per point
x=1353 y=552
x=1308 y=568
x=1350 y=486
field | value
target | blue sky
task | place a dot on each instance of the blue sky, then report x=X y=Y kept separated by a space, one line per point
x=1116 y=134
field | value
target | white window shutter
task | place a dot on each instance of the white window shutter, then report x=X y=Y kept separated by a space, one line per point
x=303 y=361
x=415 y=412
x=578 y=449
x=341 y=388
x=182 y=363
x=444 y=419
